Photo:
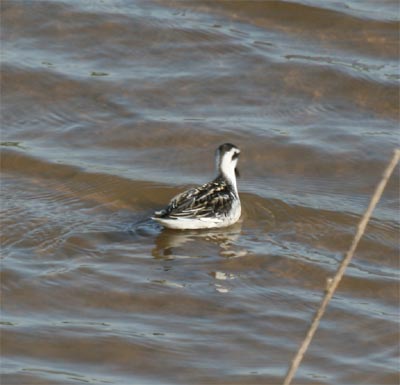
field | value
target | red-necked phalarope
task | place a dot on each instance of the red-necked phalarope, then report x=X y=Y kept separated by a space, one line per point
x=214 y=204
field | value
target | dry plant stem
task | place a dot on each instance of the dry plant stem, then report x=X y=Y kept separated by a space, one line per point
x=334 y=282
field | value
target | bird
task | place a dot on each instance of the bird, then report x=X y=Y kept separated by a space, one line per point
x=214 y=204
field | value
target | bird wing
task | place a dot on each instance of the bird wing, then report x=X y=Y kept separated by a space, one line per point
x=212 y=199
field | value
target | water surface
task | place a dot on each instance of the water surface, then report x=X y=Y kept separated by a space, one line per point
x=110 y=108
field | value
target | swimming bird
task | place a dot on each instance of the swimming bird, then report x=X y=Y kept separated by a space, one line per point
x=214 y=204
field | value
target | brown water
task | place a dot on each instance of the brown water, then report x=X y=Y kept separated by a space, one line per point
x=109 y=108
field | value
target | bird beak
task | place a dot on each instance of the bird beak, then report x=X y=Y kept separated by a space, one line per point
x=237 y=173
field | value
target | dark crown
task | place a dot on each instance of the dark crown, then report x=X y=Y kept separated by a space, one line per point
x=223 y=148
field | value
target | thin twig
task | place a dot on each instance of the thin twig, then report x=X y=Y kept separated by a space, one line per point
x=333 y=283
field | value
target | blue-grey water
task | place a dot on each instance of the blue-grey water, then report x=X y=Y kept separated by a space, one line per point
x=109 y=108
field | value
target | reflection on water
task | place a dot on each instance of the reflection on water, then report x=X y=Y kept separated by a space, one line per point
x=111 y=108
x=185 y=244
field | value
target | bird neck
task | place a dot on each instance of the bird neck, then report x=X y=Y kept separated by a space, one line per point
x=229 y=176
x=226 y=170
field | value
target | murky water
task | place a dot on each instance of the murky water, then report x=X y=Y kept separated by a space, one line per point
x=109 y=108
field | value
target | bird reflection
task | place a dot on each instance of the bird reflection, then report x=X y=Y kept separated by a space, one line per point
x=171 y=244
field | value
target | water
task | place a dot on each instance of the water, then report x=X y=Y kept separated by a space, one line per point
x=109 y=108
